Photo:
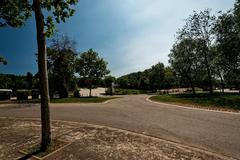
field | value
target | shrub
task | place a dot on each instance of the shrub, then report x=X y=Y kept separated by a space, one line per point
x=76 y=94
x=5 y=94
x=35 y=94
x=22 y=94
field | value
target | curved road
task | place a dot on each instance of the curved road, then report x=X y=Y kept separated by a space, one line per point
x=214 y=131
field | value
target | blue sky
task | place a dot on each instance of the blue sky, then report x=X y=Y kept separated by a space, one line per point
x=131 y=35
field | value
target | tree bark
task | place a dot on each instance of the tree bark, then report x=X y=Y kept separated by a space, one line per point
x=90 y=91
x=42 y=67
x=208 y=71
x=222 y=83
x=192 y=86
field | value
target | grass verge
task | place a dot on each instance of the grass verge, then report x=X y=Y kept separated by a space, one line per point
x=62 y=100
x=120 y=91
x=82 y=100
x=216 y=101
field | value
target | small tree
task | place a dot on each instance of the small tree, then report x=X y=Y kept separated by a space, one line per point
x=108 y=82
x=61 y=59
x=91 y=67
x=14 y=13
x=156 y=76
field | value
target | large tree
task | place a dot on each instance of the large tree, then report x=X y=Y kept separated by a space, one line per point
x=227 y=58
x=236 y=12
x=14 y=13
x=184 y=60
x=200 y=27
x=91 y=68
x=61 y=59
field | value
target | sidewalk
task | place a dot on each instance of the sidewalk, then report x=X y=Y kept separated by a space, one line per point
x=84 y=141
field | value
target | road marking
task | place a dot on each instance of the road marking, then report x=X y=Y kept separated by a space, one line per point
x=191 y=108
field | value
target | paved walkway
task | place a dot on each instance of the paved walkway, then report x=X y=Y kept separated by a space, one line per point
x=213 y=131
x=85 y=141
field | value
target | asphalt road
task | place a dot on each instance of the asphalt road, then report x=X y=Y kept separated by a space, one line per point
x=214 y=131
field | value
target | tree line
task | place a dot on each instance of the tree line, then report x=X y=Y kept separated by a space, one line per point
x=155 y=78
x=67 y=70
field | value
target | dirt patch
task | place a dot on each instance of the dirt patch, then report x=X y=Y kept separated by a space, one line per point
x=92 y=142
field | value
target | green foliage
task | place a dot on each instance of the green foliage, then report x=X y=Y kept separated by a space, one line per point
x=5 y=95
x=236 y=12
x=22 y=94
x=199 y=27
x=61 y=60
x=108 y=80
x=184 y=59
x=155 y=78
x=231 y=101
x=35 y=94
x=131 y=81
x=29 y=80
x=14 y=13
x=81 y=100
x=76 y=93
x=170 y=79
x=227 y=61
x=60 y=9
x=91 y=68
x=14 y=82
x=120 y=91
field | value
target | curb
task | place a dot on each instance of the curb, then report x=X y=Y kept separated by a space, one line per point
x=193 y=148
x=191 y=108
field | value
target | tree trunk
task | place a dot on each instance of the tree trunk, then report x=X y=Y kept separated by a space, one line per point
x=42 y=67
x=192 y=86
x=209 y=79
x=90 y=91
x=208 y=71
x=222 y=84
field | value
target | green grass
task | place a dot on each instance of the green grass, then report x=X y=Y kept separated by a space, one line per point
x=120 y=91
x=222 y=101
x=62 y=100
x=81 y=100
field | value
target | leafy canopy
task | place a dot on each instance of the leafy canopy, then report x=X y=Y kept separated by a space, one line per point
x=14 y=13
x=90 y=65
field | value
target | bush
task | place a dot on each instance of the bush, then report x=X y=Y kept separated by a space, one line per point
x=76 y=94
x=22 y=94
x=109 y=91
x=5 y=95
x=35 y=94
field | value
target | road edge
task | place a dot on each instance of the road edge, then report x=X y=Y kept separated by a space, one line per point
x=190 y=108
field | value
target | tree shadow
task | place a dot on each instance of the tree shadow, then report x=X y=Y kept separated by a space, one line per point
x=29 y=155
